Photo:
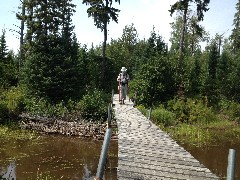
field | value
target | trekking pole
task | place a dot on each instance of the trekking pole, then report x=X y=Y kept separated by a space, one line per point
x=119 y=91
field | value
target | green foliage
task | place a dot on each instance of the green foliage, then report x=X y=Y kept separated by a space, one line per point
x=8 y=70
x=51 y=68
x=42 y=108
x=11 y=103
x=191 y=111
x=235 y=31
x=143 y=110
x=160 y=116
x=93 y=105
x=53 y=76
x=10 y=131
x=183 y=5
x=213 y=60
x=230 y=110
x=102 y=12
x=3 y=46
x=190 y=134
x=154 y=82
x=3 y=111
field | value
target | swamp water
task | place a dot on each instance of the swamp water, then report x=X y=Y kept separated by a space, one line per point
x=58 y=157
x=215 y=157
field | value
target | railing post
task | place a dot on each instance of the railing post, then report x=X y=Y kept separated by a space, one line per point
x=109 y=116
x=149 y=113
x=106 y=142
x=231 y=164
x=135 y=99
x=103 y=157
x=112 y=98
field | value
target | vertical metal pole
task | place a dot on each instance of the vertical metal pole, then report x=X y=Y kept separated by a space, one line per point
x=231 y=164
x=112 y=96
x=109 y=115
x=103 y=157
x=149 y=113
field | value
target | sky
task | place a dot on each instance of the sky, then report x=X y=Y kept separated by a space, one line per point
x=144 y=14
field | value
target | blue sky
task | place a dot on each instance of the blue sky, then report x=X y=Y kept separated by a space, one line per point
x=144 y=14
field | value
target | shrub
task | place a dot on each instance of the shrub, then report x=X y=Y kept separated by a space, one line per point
x=142 y=109
x=191 y=111
x=3 y=111
x=163 y=116
x=154 y=81
x=230 y=109
x=190 y=134
x=41 y=107
x=11 y=103
x=93 y=105
x=37 y=107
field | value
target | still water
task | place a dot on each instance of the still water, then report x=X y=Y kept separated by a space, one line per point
x=74 y=158
x=215 y=157
x=57 y=157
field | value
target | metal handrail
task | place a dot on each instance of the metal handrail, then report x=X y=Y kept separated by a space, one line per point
x=106 y=142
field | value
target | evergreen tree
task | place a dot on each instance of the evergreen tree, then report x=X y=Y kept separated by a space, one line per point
x=213 y=60
x=102 y=12
x=8 y=66
x=183 y=6
x=52 y=68
x=194 y=34
x=3 y=47
x=235 y=36
x=124 y=48
x=211 y=87
x=156 y=45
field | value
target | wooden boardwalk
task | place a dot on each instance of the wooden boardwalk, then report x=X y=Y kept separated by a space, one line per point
x=145 y=152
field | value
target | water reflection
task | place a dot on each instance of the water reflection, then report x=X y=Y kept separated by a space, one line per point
x=215 y=157
x=10 y=173
x=58 y=157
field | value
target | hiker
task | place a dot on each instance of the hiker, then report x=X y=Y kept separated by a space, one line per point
x=123 y=79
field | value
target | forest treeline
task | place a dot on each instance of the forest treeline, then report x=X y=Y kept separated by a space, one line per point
x=54 y=75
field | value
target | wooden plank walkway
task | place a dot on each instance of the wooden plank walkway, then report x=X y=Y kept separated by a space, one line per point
x=145 y=152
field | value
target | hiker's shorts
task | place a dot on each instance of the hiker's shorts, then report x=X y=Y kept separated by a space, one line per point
x=124 y=91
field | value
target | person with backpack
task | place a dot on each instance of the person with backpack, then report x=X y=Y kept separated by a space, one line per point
x=123 y=79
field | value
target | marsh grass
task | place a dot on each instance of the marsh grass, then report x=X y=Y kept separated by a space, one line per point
x=12 y=131
x=190 y=134
x=193 y=123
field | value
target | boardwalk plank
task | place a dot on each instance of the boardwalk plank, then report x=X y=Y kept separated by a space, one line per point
x=145 y=152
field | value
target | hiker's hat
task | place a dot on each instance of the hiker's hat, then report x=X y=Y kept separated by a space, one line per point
x=123 y=69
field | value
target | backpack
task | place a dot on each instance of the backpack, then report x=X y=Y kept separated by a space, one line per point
x=123 y=79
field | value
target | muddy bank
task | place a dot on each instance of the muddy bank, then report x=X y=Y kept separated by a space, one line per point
x=81 y=128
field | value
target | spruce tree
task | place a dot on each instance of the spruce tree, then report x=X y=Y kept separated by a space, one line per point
x=3 y=47
x=52 y=69
x=235 y=36
x=183 y=6
x=102 y=12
